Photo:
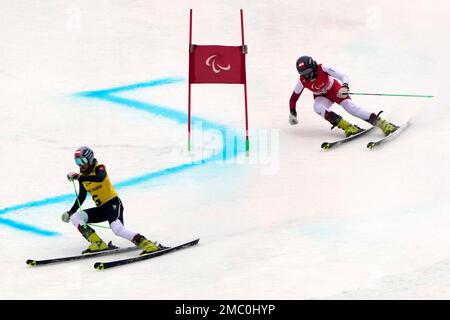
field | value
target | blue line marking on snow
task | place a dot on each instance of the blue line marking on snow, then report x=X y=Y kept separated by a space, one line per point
x=140 y=85
x=178 y=116
x=26 y=227
x=38 y=203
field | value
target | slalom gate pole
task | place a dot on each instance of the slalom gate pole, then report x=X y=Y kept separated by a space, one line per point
x=247 y=140
x=189 y=82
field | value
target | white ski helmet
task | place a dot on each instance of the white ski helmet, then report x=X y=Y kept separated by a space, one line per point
x=84 y=155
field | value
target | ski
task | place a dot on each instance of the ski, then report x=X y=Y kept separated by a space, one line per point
x=373 y=144
x=116 y=263
x=112 y=250
x=329 y=145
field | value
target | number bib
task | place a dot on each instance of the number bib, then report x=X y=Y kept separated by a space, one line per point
x=101 y=192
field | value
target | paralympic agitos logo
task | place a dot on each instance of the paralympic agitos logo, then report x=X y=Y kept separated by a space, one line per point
x=216 y=67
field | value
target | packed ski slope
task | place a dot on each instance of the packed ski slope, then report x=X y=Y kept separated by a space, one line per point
x=290 y=221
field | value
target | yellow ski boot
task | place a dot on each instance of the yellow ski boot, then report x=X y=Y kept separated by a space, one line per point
x=97 y=244
x=349 y=129
x=146 y=245
x=384 y=125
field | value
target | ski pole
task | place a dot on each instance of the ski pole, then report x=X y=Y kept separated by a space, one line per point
x=81 y=209
x=391 y=95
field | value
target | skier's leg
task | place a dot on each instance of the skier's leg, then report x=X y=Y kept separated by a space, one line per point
x=355 y=110
x=115 y=218
x=322 y=106
x=384 y=125
x=347 y=103
x=142 y=242
x=80 y=220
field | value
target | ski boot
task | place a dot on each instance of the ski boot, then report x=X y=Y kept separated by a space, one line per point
x=349 y=129
x=336 y=120
x=146 y=245
x=97 y=244
x=384 y=125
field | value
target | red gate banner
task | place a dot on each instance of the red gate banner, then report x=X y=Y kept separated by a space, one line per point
x=217 y=64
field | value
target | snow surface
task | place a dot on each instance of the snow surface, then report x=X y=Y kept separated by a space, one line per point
x=288 y=222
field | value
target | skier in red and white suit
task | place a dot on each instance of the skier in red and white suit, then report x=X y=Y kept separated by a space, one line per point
x=331 y=86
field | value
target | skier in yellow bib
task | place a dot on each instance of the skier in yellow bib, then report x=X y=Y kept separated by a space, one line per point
x=94 y=180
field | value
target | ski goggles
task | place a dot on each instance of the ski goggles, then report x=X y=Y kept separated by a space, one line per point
x=308 y=73
x=81 y=161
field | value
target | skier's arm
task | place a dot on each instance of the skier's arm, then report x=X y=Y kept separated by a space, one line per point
x=294 y=97
x=336 y=74
x=100 y=175
x=81 y=197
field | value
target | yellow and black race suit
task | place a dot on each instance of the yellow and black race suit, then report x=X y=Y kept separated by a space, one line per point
x=97 y=183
